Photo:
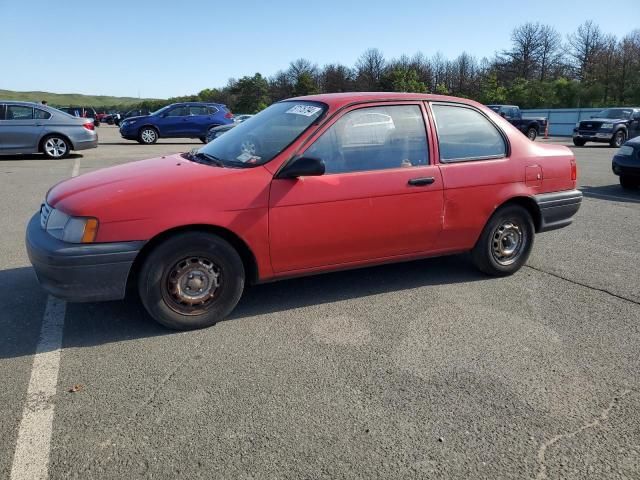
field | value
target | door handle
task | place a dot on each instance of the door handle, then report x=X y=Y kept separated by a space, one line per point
x=421 y=181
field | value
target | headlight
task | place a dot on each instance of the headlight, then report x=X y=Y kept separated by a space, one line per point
x=625 y=151
x=607 y=126
x=71 y=229
x=577 y=124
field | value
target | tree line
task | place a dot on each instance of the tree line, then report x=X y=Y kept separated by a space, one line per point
x=587 y=68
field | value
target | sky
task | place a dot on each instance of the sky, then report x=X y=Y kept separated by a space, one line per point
x=167 y=48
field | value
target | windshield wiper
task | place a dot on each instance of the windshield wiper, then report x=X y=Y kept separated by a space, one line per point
x=204 y=158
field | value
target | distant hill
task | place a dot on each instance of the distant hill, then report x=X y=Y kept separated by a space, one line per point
x=70 y=99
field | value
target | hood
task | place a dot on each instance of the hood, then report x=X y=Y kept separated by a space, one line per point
x=146 y=188
x=603 y=120
x=138 y=117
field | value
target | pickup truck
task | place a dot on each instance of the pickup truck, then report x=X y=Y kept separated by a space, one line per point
x=530 y=126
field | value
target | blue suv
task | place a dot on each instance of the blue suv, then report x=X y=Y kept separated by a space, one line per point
x=178 y=120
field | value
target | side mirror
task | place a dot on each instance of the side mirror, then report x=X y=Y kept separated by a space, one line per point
x=302 y=167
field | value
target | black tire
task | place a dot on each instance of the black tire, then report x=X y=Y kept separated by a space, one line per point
x=629 y=183
x=55 y=147
x=578 y=142
x=532 y=134
x=505 y=225
x=148 y=135
x=165 y=279
x=618 y=139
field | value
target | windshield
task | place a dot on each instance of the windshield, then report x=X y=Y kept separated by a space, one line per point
x=156 y=112
x=615 y=113
x=260 y=138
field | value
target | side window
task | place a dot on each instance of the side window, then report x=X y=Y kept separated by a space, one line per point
x=197 y=110
x=2 y=107
x=41 y=114
x=374 y=138
x=465 y=134
x=19 y=112
x=177 y=112
x=212 y=110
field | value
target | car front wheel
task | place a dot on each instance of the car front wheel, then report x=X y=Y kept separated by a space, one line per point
x=192 y=280
x=618 y=139
x=148 y=136
x=578 y=142
x=629 y=183
x=505 y=243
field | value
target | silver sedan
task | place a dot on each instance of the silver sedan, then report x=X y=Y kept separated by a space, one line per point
x=27 y=127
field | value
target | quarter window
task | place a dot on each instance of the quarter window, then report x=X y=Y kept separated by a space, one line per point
x=19 y=112
x=374 y=138
x=41 y=114
x=465 y=134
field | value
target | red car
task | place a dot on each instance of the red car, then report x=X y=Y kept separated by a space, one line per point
x=309 y=185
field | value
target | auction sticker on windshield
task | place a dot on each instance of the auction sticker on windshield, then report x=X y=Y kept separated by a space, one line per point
x=306 y=110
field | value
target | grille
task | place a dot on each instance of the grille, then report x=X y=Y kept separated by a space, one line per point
x=588 y=126
x=45 y=211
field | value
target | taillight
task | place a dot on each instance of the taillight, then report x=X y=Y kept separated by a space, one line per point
x=89 y=126
x=228 y=115
x=574 y=169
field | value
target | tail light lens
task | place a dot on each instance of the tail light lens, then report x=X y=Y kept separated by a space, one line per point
x=89 y=126
x=574 y=170
x=228 y=115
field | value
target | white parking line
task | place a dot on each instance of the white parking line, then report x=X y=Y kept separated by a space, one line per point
x=31 y=458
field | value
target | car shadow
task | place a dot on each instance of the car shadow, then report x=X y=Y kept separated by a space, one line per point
x=90 y=324
x=613 y=193
x=36 y=156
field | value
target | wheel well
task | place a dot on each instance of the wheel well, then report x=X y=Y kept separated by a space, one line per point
x=530 y=205
x=54 y=134
x=247 y=256
x=149 y=126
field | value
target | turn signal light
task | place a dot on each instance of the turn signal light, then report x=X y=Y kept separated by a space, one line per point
x=90 y=230
x=574 y=169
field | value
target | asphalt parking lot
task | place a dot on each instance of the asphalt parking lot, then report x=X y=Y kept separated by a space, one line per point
x=419 y=370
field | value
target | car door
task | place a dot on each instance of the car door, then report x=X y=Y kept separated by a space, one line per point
x=174 y=122
x=634 y=125
x=380 y=196
x=200 y=118
x=476 y=168
x=19 y=131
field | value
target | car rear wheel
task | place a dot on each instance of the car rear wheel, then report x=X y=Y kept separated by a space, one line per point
x=191 y=281
x=505 y=243
x=629 y=183
x=618 y=139
x=578 y=142
x=148 y=135
x=55 y=147
x=532 y=133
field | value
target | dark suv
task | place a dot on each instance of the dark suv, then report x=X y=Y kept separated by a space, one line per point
x=178 y=120
x=613 y=126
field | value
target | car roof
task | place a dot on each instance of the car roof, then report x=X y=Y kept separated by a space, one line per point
x=20 y=102
x=338 y=100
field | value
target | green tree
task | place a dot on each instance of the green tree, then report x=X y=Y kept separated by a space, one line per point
x=252 y=94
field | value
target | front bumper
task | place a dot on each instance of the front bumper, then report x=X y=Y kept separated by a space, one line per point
x=593 y=136
x=557 y=208
x=627 y=165
x=80 y=272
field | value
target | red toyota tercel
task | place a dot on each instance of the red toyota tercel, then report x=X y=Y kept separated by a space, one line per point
x=308 y=185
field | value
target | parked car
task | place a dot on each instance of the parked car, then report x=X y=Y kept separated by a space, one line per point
x=215 y=132
x=331 y=182
x=612 y=125
x=626 y=164
x=178 y=120
x=82 y=112
x=530 y=126
x=27 y=127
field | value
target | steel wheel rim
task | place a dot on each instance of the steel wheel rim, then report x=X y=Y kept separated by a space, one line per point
x=619 y=139
x=55 y=147
x=192 y=284
x=532 y=134
x=507 y=242
x=148 y=135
